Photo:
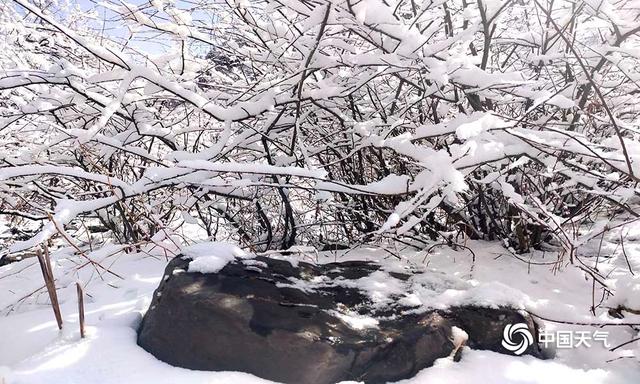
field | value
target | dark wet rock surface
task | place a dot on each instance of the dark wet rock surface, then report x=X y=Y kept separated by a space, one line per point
x=305 y=324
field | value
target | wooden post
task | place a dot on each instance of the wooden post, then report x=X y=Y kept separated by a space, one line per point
x=80 y=308
x=47 y=274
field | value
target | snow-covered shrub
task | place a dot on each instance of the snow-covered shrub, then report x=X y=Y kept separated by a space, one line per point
x=282 y=123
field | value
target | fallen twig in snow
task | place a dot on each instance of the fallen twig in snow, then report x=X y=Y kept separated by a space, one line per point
x=582 y=323
x=624 y=253
x=623 y=344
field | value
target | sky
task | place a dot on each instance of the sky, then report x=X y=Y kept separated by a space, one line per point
x=151 y=42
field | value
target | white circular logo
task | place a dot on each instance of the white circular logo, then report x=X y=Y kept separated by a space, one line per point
x=525 y=336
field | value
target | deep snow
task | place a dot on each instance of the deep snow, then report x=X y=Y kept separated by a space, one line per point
x=32 y=350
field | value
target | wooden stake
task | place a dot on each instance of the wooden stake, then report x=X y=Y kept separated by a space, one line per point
x=80 y=308
x=47 y=274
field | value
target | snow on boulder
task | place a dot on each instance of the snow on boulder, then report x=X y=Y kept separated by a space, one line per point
x=307 y=323
x=211 y=257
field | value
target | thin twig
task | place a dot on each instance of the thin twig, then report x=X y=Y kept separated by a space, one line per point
x=47 y=274
x=80 y=308
x=624 y=252
x=625 y=343
x=582 y=323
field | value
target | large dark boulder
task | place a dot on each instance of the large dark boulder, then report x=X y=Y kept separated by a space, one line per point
x=304 y=324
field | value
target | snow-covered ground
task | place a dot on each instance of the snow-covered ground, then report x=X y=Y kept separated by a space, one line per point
x=32 y=350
